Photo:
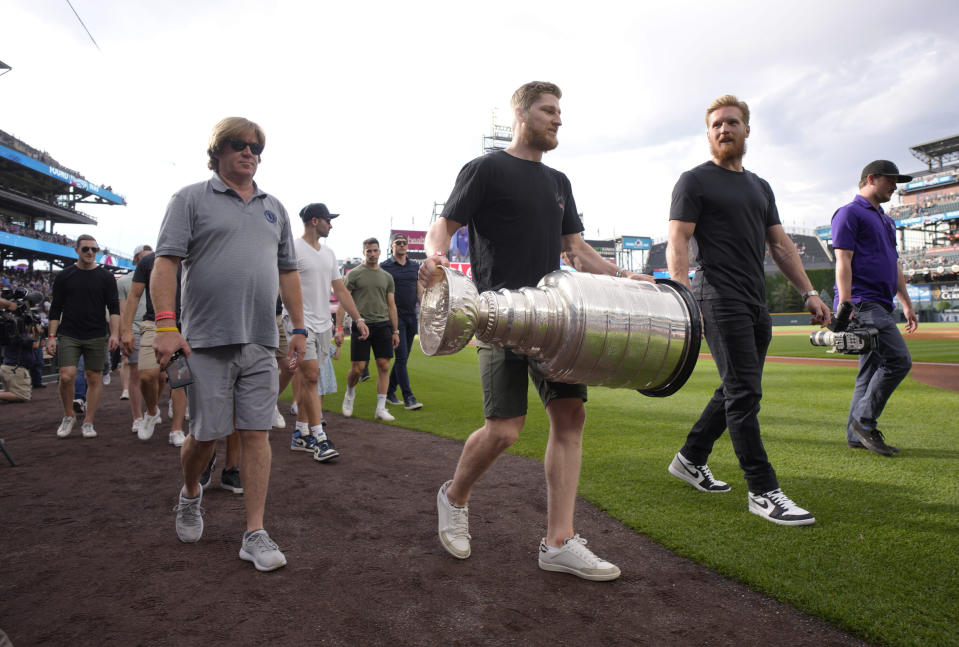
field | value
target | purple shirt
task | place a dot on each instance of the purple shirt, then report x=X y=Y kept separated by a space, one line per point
x=870 y=234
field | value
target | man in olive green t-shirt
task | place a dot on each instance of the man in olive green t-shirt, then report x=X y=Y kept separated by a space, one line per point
x=372 y=289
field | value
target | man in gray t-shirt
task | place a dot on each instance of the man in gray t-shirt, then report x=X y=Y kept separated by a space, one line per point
x=235 y=244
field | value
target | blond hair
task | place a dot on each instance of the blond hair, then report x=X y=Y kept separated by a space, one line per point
x=528 y=93
x=728 y=100
x=230 y=128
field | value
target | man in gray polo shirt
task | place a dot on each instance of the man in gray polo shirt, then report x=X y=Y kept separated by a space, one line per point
x=232 y=239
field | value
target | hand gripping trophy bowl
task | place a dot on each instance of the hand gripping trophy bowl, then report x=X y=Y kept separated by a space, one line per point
x=577 y=328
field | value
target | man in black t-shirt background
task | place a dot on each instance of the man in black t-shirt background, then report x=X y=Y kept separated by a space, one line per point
x=521 y=216
x=82 y=293
x=732 y=213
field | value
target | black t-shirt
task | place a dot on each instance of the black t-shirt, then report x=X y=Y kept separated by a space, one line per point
x=517 y=212
x=81 y=299
x=142 y=275
x=732 y=212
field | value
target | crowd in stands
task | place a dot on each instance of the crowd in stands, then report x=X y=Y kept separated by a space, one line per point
x=930 y=264
x=14 y=228
x=927 y=205
x=41 y=281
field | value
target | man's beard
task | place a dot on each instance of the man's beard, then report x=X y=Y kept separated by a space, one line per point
x=540 y=141
x=725 y=153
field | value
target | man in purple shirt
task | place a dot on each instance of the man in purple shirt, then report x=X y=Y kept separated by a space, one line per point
x=868 y=274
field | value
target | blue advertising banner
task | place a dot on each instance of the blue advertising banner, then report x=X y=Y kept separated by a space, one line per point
x=824 y=232
x=59 y=174
x=925 y=220
x=637 y=242
x=935 y=181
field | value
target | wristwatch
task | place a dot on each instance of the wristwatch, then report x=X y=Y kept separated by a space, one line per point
x=299 y=331
x=811 y=293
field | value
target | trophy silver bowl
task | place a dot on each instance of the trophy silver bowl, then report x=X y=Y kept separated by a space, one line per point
x=577 y=328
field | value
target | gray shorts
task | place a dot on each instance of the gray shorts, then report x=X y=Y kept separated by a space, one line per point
x=317 y=345
x=235 y=387
x=134 y=357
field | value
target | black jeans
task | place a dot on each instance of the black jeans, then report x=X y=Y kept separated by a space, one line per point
x=738 y=335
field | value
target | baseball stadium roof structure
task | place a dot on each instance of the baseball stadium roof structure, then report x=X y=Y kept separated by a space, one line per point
x=938 y=152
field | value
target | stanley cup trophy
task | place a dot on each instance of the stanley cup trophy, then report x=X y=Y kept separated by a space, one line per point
x=577 y=328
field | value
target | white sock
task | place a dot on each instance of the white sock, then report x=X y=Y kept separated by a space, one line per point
x=317 y=431
x=350 y=390
x=380 y=401
x=302 y=427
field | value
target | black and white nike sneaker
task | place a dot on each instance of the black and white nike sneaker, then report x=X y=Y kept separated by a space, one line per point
x=777 y=507
x=698 y=476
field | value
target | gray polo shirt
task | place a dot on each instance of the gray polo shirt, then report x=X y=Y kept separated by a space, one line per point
x=231 y=255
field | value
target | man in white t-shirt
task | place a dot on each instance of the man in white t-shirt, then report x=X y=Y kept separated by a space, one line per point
x=319 y=274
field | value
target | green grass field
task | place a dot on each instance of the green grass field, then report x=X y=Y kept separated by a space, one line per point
x=882 y=561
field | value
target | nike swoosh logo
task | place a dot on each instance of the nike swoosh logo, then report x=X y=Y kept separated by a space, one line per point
x=762 y=504
x=694 y=473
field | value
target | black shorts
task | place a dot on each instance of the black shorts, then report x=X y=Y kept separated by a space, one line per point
x=380 y=340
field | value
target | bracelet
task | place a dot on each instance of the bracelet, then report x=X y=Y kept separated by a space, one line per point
x=396 y=332
x=51 y=336
x=340 y=329
x=164 y=315
x=359 y=319
x=299 y=331
x=168 y=329
x=806 y=295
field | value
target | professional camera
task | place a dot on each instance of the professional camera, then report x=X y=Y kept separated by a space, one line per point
x=16 y=326
x=846 y=334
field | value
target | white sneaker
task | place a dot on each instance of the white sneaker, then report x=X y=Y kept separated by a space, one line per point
x=348 y=403
x=145 y=432
x=699 y=476
x=777 y=507
x=384 y=415
x=176 y=438
x=576 y=559
x=88 y=431
x=136 y=425
x=106 y=379
x=66 y=426
x=454 y=526
x=125 y=395
x=279 y=422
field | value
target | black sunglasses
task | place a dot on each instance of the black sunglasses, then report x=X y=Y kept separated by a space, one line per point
x=238 y=145
x=399 y=242
x=87 y=250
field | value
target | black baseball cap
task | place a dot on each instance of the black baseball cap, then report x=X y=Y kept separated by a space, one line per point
x=316 y=210
x=884 y=167
x=398 y=236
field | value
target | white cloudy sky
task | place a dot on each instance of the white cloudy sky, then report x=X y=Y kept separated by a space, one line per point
x=373 y=107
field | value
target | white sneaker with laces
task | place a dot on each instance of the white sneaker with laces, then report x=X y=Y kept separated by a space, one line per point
x=699 y=476
x=145 y=432
x=176 y=438
x=66 y=426
x=88 y=431
x=384 y=415
x=136 y=425
x=106 y=379
x=257 y=547
x=279 y=422
x=576 y=559
x=125 y=395
x=348 y=399
x=454 y=526
x=777 y=507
